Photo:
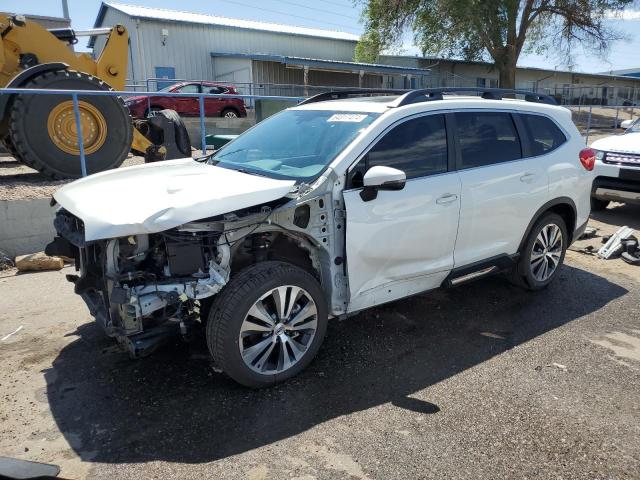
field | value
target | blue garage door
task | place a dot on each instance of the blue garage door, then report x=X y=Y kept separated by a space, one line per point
x=165 y=72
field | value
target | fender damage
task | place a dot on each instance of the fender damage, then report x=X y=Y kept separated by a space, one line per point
x=149 y=263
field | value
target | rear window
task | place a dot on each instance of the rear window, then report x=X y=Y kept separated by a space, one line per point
x=486 y=138
x=544 y=135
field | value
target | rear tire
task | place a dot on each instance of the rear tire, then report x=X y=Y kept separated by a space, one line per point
x=543 y=253
x=598 y=205
x=282 y=346
x=34 y=134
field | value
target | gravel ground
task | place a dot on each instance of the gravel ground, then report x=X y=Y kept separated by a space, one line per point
x=19 y=182
x=484 y=381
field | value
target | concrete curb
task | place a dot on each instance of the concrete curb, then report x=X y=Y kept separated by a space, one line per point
x=26 y=226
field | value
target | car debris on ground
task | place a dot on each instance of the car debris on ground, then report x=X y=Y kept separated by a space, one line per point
x=38 y=262
x=5 y=261
x=621 y=241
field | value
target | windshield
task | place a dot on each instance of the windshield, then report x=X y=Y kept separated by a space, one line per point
x=293 y=144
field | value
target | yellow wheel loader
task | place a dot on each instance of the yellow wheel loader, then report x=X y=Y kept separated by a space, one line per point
x=40 y=130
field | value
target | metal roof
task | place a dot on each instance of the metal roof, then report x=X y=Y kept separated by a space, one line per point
x=188 y=17
x=327 y=64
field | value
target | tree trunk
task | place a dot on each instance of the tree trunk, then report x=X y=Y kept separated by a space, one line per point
x=506 y=61
x=507 y=74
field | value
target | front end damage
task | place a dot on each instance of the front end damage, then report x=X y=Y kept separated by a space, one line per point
x=147 y=289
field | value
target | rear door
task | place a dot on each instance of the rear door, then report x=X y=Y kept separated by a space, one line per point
x=501 y=189
x=213 y=106
x=402 y=242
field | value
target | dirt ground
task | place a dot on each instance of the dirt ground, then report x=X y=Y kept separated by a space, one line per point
x=484 y=381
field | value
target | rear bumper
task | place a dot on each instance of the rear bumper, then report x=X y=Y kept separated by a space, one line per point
x=625 y=188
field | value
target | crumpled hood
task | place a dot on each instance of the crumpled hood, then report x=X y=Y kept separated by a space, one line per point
x=627 y=143
x=158 y=196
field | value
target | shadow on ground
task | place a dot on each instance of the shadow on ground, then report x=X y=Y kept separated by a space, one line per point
x=173 y=407
x=619 y=215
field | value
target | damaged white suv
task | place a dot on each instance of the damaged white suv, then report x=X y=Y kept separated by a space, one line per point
x=344 y=202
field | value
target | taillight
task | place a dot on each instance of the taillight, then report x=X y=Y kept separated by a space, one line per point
x=588 y=158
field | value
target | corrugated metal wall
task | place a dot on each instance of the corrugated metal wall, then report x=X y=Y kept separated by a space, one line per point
x=274 y=72
x=188 y=46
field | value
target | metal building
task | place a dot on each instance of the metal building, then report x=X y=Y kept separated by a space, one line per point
x=256 y=55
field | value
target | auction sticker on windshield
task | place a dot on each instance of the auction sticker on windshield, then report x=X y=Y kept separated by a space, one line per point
x=346 y=117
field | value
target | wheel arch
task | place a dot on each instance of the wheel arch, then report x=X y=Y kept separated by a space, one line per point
x=563 y=206
x=288 y=247
x=233 y=108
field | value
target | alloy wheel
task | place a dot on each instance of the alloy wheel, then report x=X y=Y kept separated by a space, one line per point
x=278 y=329
x=546 y=252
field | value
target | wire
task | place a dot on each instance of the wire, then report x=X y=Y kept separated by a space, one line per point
x=315 y=9
x=287 y=14
x=336 y=3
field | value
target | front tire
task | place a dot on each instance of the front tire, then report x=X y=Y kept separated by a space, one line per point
x=543 y=253
x=267 y=324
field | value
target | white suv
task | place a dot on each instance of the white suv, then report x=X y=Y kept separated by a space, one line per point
x=344 y=202
x=617 y=172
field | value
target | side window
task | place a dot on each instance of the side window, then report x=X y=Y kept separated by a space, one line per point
x=418 y=147
x=544 y=135
x=189 y=89
x=486 y=138
x=215 y=90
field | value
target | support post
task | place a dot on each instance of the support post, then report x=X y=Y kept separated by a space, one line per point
x=202 y=131
x=588 y=124
x=76 y=112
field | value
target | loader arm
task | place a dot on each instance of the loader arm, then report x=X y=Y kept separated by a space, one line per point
x=26 y=43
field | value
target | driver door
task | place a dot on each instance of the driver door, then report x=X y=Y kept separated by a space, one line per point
x=402 y=241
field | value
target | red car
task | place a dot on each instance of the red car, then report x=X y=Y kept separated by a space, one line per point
x=141 y=105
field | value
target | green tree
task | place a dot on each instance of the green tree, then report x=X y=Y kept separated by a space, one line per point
x=499 y=29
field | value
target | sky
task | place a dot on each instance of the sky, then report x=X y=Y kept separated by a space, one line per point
x=341 y=15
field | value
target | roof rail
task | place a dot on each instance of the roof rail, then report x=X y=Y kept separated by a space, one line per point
x=428 y=94
x=363 y=92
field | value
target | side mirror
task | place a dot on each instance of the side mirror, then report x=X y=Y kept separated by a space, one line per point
x=381 y=178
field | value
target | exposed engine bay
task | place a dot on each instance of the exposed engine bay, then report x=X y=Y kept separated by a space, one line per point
x=145 y=289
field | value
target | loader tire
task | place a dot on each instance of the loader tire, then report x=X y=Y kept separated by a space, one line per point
x=42 y=127
x=8 y=146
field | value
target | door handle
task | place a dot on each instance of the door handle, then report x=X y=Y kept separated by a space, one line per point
x=528 y=177
x=447 y=198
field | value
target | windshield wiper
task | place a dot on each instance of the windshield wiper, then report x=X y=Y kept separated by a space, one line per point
x=248 y=172
x=224 y=154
